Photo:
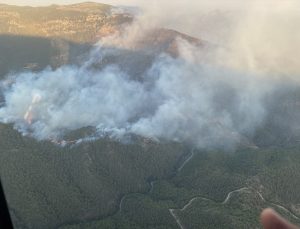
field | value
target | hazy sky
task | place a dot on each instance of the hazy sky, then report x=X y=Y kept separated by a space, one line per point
x=49 y=2
x=180 y=4
x=223 y=3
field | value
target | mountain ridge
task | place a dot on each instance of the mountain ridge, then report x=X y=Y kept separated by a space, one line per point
x=78 y=22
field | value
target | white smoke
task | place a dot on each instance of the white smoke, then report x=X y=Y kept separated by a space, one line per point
x=176 y=99
x=213 y=99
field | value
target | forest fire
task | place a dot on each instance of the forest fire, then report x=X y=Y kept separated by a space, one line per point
x=28 y=117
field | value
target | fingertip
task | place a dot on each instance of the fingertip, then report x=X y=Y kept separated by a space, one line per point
x=267 y=217
x=272 y=220
x=268 y=212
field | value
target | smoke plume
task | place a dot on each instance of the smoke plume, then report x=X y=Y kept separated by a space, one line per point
x=209 y=96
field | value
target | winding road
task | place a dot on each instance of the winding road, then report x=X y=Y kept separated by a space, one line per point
x=229 y=195
x=187 y=160
x=227 y=199
x=153 y=181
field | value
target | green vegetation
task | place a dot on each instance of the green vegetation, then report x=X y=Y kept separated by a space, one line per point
x=255 y=177
x=273 y=172
x=48 y=185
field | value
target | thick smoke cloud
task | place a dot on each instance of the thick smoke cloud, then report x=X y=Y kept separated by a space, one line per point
x=209 y=97
x=176 y=99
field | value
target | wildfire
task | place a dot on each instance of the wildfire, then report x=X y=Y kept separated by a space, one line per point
x=28 y=116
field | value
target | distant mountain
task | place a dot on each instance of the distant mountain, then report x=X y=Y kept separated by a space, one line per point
x=32 y=38
x=82 y=23
x=164 y=40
